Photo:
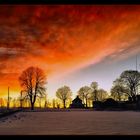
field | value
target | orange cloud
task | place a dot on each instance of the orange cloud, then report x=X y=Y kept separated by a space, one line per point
x=62 y=39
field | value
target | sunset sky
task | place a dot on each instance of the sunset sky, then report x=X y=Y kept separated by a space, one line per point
x=74 y=45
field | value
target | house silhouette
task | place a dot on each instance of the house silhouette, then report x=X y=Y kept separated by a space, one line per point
x=77 y=103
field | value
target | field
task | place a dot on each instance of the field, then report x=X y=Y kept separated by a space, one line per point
x=71 y=123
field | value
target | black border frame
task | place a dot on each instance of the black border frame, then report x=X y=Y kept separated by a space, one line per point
x=70 y=2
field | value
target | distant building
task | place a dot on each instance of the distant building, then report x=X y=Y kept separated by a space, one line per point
x=109 y=103
x=77 y=103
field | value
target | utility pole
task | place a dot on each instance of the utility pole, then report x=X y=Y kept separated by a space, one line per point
x=136 y=63
x=21 y=99
x=8 y=101
x=137 y=71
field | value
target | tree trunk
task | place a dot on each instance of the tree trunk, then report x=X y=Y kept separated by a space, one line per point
x=119 y=97
x=32 y=106
x=64 y=103
x=95 y=95
x=83 y=100
x=86 y=102
x=134 y=98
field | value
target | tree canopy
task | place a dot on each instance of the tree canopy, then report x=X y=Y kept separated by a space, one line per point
x=131 y=80
x=33 y=81
x=84 y=93
x=64 y=93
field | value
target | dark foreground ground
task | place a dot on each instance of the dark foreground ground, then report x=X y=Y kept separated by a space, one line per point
x=74 y=122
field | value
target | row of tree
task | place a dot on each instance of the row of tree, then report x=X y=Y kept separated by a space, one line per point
x=124 y=87
x=33 y=82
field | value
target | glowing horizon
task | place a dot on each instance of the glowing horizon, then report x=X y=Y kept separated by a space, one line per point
x=70 y=43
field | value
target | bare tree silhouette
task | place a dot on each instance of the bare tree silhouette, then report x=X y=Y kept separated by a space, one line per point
x=64 y=93
x=131 y=80
x=84 y=93
x=33 y=81
x=118 y=90
x=102 y=94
